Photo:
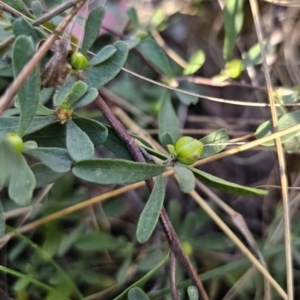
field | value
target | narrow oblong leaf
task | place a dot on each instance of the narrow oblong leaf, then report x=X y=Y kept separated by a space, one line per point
x=167 y=119
x=219 y=137
x=143 y=280
x=137 y=293
x=88 y=98
x=56 y=159
x=22 y=52
x=22 y=27
x=132 y=15
x=92 y=28
x=78 y=90
x=2 y=221
x=195 y=62
x=193 y=293
x=226 y=186
x=62 y=94
x=104 y=54
x=186 y=178
x=37 y=8
x=106 y=71
x=156 y=55
x=233 y=20
x=115 y=171
x=150 y=214
x=44 y=175
x=167 y=139
x=22 y=184
x=79 y=145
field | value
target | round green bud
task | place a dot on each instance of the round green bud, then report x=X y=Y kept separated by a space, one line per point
x=78 y=61
x=188 y=150
x=142 y=35
x=234 y=68
x=15 y=141
x=187 y=248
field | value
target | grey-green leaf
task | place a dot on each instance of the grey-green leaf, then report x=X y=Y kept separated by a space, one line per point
x=195 y=62
x=226 y=186
x=22 y=27
x=150 y=214
x=79 y=145
x=22 y=52
x=156 y=55
x=37 y=8
x=233 y=20
x=132 y=15
x=186 y=178
x=62 y=94
x=167 y=139
x=219 y=137
x=101 y=74
x=104 y=54
x=137 y=294
x=22 y=184
x=167 y=119
x=193 y=293
x=56 y=159
x=44 y=175
x=78 y=90
x=115 y=171
x=2 y=221
x=88 y=98
x=92 y=28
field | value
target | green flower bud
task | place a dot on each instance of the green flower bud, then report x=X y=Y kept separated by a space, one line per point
x=15 y=141
x=63 y=114
x=234 y=68
x=188 y=150
x=78 y=61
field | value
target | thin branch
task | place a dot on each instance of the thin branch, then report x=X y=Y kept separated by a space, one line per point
x=172 y=238
x=40 y=20
x=174 y=292
x=280 y=154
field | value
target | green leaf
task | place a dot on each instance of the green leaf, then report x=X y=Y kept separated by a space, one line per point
x=44 y=175
x=19 y=5
x=116 y=145
x=167 y=139
x=2 y=221
x=137 y=294
x=78 y=90
x=62 y=94
x=56 y=159
x=286 y=95
x=186 y=178
x=88 y=98
x=184 y=98
x=79 y=145
x=143 y=280
x=218 y=137
x=103 y=73
x=92 y=28
x=226 y=186
x=37 y=8
x=193 y=293
x=167 y=119
x=233 y=21
x=22 y=52
x=156 y=55
x=103 y=55
x=44 y=111
x=195 y=62
x=285 y=121
x=150 y=214
x=22 y=27
x=97 y=241
x=22 y=184
x=46 y=94
x=115 y=171
x=132 y=15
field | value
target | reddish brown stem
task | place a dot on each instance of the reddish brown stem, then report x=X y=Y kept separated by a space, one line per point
x=171 y=235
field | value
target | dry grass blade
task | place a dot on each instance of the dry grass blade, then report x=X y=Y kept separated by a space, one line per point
x=280 y=154
x=238 y=243
x=8 y=97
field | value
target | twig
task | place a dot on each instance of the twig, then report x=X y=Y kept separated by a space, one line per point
x=173 y=240
x=8 y=97
x=173 y=287
x=280 y=154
